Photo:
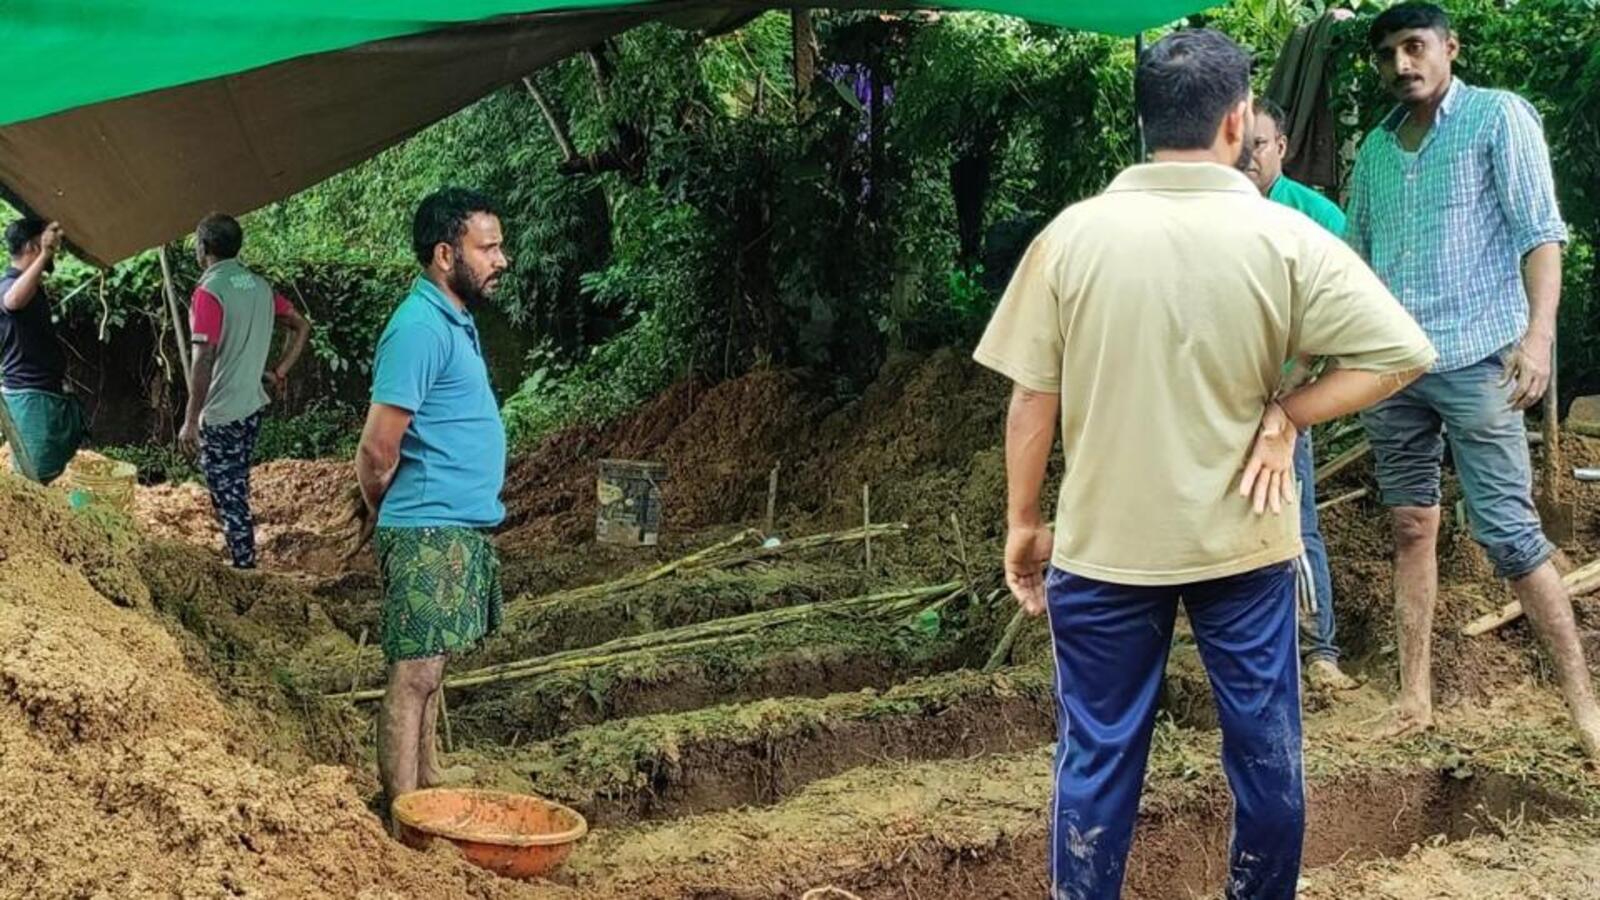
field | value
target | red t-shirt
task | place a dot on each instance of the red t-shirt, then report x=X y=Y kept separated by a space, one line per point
x=205 y=315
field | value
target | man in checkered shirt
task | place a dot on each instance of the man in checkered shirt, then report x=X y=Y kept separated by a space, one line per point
x=1453 y=204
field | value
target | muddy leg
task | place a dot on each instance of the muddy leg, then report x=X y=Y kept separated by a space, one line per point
x=1545 y=600
x=1416 y=593
x=400 y=721
x=428 y=743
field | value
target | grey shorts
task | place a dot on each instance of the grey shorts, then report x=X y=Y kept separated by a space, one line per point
x=1489 y=445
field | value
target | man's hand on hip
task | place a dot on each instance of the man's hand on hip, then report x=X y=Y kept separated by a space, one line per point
x=1027 y=553
x=1529 y=369
x=1269 y=475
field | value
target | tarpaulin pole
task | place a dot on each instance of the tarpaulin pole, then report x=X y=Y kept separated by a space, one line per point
x=1138 y=123
x=184 y=358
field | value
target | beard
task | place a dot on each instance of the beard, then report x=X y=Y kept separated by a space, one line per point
x=472 y=290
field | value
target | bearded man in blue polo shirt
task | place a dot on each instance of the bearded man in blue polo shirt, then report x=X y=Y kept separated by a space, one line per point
x=431 y=463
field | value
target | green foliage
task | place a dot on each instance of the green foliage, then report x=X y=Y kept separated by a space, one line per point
x=714 y=217
x=157 y=463
x=616 y=377
x=325 y=429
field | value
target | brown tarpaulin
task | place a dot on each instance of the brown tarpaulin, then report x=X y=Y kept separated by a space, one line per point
x=128 y=174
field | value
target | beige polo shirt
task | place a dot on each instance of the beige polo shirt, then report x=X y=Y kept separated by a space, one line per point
x=1162 y=311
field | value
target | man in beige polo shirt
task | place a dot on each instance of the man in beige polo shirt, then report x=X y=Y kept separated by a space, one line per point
x=1164 y=310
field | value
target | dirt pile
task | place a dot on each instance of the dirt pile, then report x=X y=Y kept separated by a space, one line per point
x=719 y=444
x=925 y=435
x=296 y=504
x=123 y=774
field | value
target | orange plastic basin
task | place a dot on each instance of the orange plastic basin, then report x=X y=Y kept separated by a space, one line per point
x=513 y=835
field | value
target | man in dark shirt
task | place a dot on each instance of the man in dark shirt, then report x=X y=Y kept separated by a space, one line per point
x=33 y=369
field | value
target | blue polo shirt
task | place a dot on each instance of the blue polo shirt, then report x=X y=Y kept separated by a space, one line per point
x=453 y=455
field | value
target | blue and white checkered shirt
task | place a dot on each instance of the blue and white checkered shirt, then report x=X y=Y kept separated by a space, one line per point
x=1446 y=228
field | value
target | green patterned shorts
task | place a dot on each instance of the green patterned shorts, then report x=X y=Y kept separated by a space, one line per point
x=441 y=590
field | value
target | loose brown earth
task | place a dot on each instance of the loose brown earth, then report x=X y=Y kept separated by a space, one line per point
x=164 y=729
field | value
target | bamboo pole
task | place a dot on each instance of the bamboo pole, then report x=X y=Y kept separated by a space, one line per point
x=1002 y=650
x=706 y=559
x=637 y=580
x=1343 y=461
x=717 y=631
x=1356 y=494
x=1582 y=580
x=882 y=529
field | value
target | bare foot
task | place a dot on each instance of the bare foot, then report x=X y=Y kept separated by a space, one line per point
x=1589 y=737
x=1406 y=720
x=1325 y=675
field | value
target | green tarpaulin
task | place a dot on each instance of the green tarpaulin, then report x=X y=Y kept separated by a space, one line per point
x=129 y=120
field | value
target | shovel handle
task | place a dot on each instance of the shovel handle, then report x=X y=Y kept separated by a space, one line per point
x=1552 y=430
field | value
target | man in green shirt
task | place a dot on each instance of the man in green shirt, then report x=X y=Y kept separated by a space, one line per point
x=1266 y=170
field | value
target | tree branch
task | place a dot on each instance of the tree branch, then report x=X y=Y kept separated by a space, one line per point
x=557 y=129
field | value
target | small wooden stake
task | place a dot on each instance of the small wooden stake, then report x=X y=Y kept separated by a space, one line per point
x=355 y=676
x=444 y=713
x=772 y=499
x=866 y=518
x=961 y=548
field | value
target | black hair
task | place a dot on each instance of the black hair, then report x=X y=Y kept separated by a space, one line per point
x=1406 y=17
x=442 y=219
x=22 y=232
x=219 y=236
x=1271 y=109
x=1184 y=86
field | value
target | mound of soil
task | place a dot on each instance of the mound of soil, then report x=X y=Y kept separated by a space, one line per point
x=123 y=774
x=296 y=504
x=719 y=444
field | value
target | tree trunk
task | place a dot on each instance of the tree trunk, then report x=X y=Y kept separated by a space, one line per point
x=805 y=60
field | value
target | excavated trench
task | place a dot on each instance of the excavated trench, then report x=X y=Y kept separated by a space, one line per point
x=1184 y=853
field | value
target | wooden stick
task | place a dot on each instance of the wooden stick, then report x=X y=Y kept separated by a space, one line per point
x=355 y=676
x=1002 y=650
x=1356 y=494
x=866 y=520
x=1343 y=461
x=1582 y=580
x=961 y=547
x=1551 y=429
x=772 y=499
x=444 y=713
